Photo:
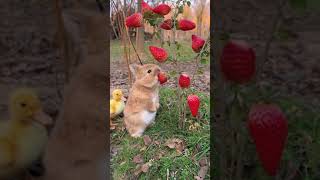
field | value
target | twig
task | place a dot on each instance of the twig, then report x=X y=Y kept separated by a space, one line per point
x=126 y=53
x=127 y=32
x=62 y=39
x=276 y=21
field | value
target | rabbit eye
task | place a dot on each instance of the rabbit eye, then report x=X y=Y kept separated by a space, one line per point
x=23 y=105
x=149 y=71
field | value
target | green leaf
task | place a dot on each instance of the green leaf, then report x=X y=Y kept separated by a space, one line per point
x=189 y=3
x=180 y=10
x=203 y=61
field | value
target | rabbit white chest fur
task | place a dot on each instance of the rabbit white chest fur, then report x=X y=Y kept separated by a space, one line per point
x=148 y=117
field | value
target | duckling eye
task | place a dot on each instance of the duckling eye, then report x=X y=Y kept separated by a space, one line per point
x=23 y=104
x=149 y=71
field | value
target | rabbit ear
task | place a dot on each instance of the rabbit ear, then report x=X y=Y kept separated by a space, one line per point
x=134 y=68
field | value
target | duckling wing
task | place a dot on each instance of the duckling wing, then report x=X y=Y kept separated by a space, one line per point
x=4 y=127
x=6 y=152
x=31 y=144
x=113 y=106
x=120 y=107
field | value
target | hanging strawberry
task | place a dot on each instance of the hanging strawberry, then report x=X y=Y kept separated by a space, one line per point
x=185 y=25
x=184 y=80
x=145 y=7
x=162 y=77
x=269 y=129
x=162 y=9
x=197 y=43
x=167 y=24
x=238 y=61
x=159 y=54
x=135 y=20
x=194 y=104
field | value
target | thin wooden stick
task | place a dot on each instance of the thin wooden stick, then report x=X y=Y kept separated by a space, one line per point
x=130 y=40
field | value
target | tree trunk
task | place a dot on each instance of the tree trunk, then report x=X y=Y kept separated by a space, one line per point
x=140 y=34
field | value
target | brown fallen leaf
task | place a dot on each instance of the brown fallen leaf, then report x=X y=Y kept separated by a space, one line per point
x=160 y=155
x=145 y=167
x=137 y=170
x=202 y=173
x=143 y=148
x=138 y=159
x=171 y=143
x=180 y=147
x=157 y=142
x=203 y=162
x=178 y=144
x=147 y=140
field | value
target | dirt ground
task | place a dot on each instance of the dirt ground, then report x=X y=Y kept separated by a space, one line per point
x=28 y=54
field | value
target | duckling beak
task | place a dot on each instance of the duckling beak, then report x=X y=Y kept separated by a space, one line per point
x=43 y=119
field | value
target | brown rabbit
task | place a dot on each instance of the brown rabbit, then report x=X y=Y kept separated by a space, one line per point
x=143 y=100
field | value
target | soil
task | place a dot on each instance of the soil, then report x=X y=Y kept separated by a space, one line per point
x=28 y=53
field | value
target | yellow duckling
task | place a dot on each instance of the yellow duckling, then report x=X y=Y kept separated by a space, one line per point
x=24 y=136
x=116 y=105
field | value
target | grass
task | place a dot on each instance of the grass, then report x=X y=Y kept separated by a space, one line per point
x=184 y=54
x=185 y=165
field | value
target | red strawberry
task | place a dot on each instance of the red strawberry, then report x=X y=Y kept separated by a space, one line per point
x=162 y=77
x=162 y=9
x=269 y=129
x=194 y=103
x=197 y=43
x=185 y=25
x=238 y=61
x=135 y=20
x=145 y=7
x=184 y=80
x=167 y=24
x=159 y=54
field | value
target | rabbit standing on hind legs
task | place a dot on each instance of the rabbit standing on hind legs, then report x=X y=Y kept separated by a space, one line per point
x=143 y=101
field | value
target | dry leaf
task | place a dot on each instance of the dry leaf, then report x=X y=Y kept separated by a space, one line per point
x=138 y=170
x=203 y=162
x=202 y=173
x=147 y=140
x=180 y=147
x=137 y=159
x=157 y=142
x=145 y=167
x=171 y=143
x=143 y=148
x=178 y=144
